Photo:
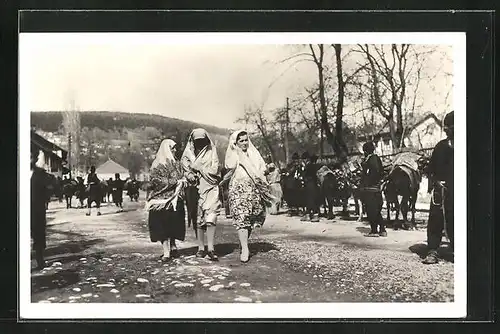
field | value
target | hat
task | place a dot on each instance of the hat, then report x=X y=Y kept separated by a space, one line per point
x=448 y=119
x=199 y=134
x=368 y=147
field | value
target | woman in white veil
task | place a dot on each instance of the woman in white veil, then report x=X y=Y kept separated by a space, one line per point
x=165 y=202
x=248 y=188
x=201 y=167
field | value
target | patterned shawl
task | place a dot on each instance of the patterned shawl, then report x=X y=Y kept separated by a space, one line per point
x=252 y=163
x=166 y=177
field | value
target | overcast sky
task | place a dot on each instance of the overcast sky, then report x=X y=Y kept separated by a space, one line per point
x=208 y=84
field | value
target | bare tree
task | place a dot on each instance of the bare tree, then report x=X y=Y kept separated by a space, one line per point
x=255 y=117
x=395 y=75
x=71 y=125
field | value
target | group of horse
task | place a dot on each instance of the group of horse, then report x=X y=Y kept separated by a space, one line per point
x=340 y=182
x=66 y=189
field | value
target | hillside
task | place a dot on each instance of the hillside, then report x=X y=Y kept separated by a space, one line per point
x=50 y=121
x=130 y=139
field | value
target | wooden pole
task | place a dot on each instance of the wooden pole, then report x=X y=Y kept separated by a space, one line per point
x=287 y=122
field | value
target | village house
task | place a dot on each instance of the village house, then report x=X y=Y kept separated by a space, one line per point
x=421 y=135
x=55 y=157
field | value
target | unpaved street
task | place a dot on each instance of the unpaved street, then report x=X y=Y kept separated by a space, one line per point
x=110 y=259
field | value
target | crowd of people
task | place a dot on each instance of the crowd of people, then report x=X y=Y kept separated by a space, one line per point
x=254 y=190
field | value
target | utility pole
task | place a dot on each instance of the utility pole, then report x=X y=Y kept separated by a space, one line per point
x=69 y=155
x=287 y=121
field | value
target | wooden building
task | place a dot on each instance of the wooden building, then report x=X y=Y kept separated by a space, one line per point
x=55 y=157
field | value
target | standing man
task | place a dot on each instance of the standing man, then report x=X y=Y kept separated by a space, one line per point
x=312 y=190
x=117 y=189
x=39 y=184
x=94 y=191
x=441 y=186
x=371 y=194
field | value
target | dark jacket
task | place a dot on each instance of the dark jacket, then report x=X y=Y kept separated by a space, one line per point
x=441 y=164
x=92 y=179
x=311 y=173
x=39 y=186
x=372 y=172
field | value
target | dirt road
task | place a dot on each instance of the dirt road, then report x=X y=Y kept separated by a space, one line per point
x=109 y=258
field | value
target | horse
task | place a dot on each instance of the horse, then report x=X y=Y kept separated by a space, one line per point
x=69 y=188
x=335 y=190
x=132 y=187
x=403 y=180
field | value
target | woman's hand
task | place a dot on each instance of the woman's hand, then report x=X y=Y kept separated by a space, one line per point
x=191 y=177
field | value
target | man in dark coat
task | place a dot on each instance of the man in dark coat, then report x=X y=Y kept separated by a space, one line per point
x=39 y=185
x=441 y=185
x=117 y=188
x=371 y=194
x=312 y=190
x=94 y=191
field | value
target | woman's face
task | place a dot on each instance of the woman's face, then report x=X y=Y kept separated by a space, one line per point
x=242 y=142
x=200 y=143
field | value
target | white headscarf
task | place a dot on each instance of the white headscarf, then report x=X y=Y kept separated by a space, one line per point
x=164 y=153
x=206 y=162
x=251 y=160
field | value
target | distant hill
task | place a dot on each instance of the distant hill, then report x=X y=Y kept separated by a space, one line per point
x=50 y=121
x=129 y=139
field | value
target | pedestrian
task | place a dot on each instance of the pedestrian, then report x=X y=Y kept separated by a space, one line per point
x=249 y=192
x=274 y=179
x=117 y=191
x=370 y=190
x=165 y=204
x=441 y=186
x=312 y=190
x=39 y=185
x=93 y=191
x=201 y=167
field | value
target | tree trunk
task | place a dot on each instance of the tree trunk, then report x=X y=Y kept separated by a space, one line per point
x=339 y=136
x=330 y=136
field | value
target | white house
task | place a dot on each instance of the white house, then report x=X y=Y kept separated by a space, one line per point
x=423 y=134
x=108 y=170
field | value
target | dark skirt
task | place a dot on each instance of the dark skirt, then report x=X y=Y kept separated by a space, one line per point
x=167 y=224
x=38 y=228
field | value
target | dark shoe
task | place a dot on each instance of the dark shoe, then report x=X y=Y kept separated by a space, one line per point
x=200 y=254
x=431 y=258
x=212 y=256
x=87 y=214
x=174 y=253
x=98 y=213
x=304 y=218
x=383 y=234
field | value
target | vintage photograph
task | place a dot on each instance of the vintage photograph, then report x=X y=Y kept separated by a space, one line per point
x=200 y=170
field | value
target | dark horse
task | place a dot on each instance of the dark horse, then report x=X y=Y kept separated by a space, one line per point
x=403 y=182
x=335 y=190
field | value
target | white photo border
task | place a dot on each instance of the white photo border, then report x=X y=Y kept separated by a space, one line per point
x=455 y=309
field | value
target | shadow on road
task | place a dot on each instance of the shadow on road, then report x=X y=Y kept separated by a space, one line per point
x=444 y=252
x=56 y=280
x=71 y=248
x=363 y=230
